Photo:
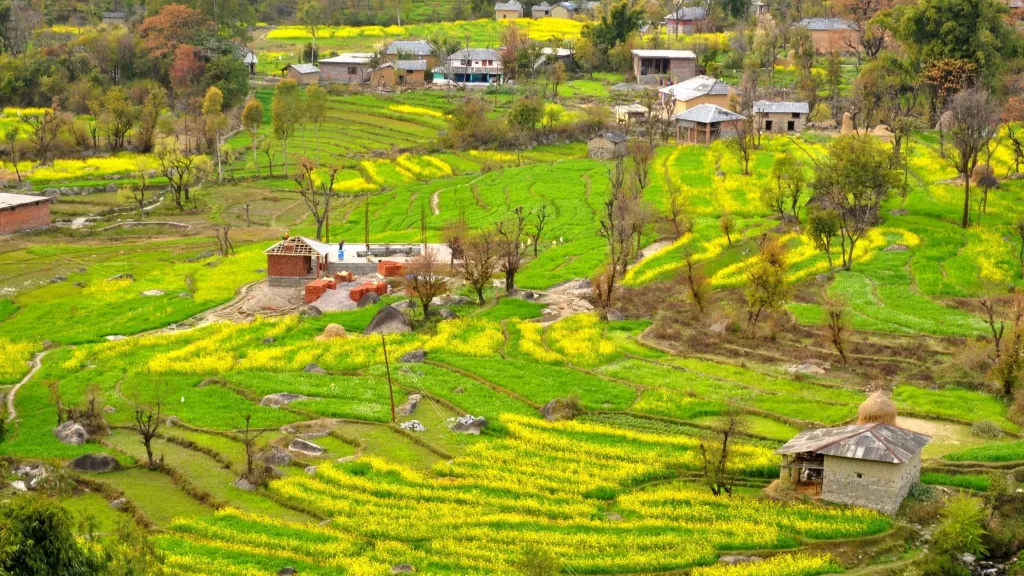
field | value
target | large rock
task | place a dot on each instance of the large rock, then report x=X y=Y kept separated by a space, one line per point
x=468 y=424
x=333 y=330
x=733 y=559
x=128 y=277
x=119 y=504
x=447 y=314
x=414 y=357
x=615 y=316
x=449 y=300
x=413 y=426
x=405 y=305
x=560 y=409
x=402 y=569
x=805 y=368
x=153 y=292
x=388 y=320
x=97 y=462
x=306 y=447
x=368 y=299
x=276 y=457
x=311 y=311
x=314 y=369
x=19 y=486
x=287 y=571
x=280 y=399
x=244 y=484
x=72 y=433
x=410 y=405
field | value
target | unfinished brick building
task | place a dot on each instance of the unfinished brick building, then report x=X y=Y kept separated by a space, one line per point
x=296 y=257
x=23 y=212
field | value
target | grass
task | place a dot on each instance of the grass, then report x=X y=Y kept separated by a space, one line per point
x=155 y=493
x=1000 y=452
x=969 y=481
x=953 y=403
x=93 y=507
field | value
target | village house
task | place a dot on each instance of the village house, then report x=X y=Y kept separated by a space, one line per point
x=347 y=68
x=694 y=92
x=410 y=50
x=705 y=123
x=542 y=10
x=508 y=10
x=566 y=10
x=411 y=73
x=781 y=116
x=831 y=34
x=114 y=18
x=297 y=257
x=653 y=66
x=686 y=20
x=302 y=73
x=473 y=66
x=20 y=212
x=250 y=62
x=607 y=146
x=629 y=113
x=872 y=463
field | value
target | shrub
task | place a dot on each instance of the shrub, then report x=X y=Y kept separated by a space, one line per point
x=942 y=565
x=961 y=528
x=986 y=429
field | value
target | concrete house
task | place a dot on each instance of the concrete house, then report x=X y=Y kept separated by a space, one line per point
x=607 y=145
x=698 y=90
x=872 y=463
x=410 y=50
x=705 y=123
x=653 y=66
x=629 y=113
x=781 y=116
x=831 y=34
x=347 y=68
x=302 y=73
x=542 y=10
x=23 y=212
x=566 y=10
x=474 y=66
x=508 y=10
x=410 y=73
x=686 y=20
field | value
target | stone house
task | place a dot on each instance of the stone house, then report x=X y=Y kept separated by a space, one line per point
x=607 y=146
x=346 y=68
x=302 y=73
x=23 y=212
x=695 y=91
x=297 y=257
x=542 y=10
x=705 y=123
x=780 y=116
x=686 y=20
x=508 y=10
x=410 y=50
x=872 y=463
x=565 y=10
x=656 y=65
x=411 y=73
x=831 y=34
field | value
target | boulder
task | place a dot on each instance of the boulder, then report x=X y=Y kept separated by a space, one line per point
x=269 y=340
x=615 y=316
x=37 y=481
x=310 y=470
x=311 y=311
x=280 y=399
x=805 y=368
x=368 y=299
x=173 y=421
x=528 y=295
x=414 y=357
x=243 y=484
x=153 y=292
x=119 y=504
x=287 y=571
x=410 y=405
x=111 y=188
x=19 y=486
x=733 y=559
x=306 y=447
x=276 y=457
x=560 y=409
x=449 y=300
x=346 y=459
x=896 y=248
x=405 y=305
x=459 y=390
x=72 y=433
x=402 y=569
x=467 y=424
x=314 y=369
x=388 y=320
x=51 y=192
x=413 y=426
x=95 y=462
x=333 y=330
x=128 y=277
x=447 y=314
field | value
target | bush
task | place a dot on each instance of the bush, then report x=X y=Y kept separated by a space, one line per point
x=961 y=528
x=942 y=565
x=986 y=429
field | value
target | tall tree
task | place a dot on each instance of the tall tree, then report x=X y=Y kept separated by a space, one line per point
x=973 y=122
x=44 y=129
x=215 y=121
x=316 y=186
x=285 y=112
x=510 y=245
x=480 y=261
x=427 y=278
x=38 y=537
x=252 y=119
x=116 y=115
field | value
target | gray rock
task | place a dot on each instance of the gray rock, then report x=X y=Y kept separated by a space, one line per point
x=30 y=471
x=899 y=212
x=269 y=340
x=310 y=470
x=414 y=357
x=805 y=368
x=173 y=421
x=185 y=295
x=896 y=248
x=58 y=279
x=109 y=410
x=345 y=459
x=402 y=568
x=276 y=457
x=413 y=426
x=37 y=481
x=410 y=405
x=719 y=327
x=405 y=305
x=19 y=486
x=114 y=337
x=311 y=311
x=368 y=299
x=528 y=295
x=81 y=270
x=129 y=277
x=243 y=484
x=287 y=571
x=449 y=300
x=72 y=433
x=153 y=292
x=96 y=462
x=447 y=314
x=615 y=316
x=51 y=192
x=733 y=559
x=306 y=447
x=614 y=516
x=119 y=504
x=968 y=558
x=111 y=188
x=314 y=369
x=280 y=399
x=388 y=320
x=468 y=424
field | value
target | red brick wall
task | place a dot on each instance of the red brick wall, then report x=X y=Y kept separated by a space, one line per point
x=25 y=217
x=285 y=265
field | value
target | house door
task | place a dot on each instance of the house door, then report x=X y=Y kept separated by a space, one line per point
x=790 y=126
x=768 y=125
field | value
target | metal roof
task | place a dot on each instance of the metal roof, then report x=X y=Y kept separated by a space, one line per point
x=696 y=87
x=510 y=5
x=708 y=114
x=476 y=54
x=299 y=246
x=349 y=58
x=614 y=137
x=410 y=64
x=557 y=52
x=688 y=13
x=415 y=47
x=672 y=54
x=825 y=24
x=305 y=68
x=784 y=107
x=8 y=200
x=250 y=58
x=877 y=442
x=570 y=6
x=634 y=108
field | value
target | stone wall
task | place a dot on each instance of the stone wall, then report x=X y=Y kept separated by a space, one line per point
x=876 y=485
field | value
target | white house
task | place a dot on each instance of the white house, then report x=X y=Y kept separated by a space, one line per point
x=472 y=66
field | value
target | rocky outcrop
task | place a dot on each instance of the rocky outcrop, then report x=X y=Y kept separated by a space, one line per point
x=98 y=462
x=468 y=424
x=388 y=320
x=280 y=399
x=71 y=432
x=306 y=447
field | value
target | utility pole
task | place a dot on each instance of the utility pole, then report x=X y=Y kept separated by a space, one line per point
x=387 y=366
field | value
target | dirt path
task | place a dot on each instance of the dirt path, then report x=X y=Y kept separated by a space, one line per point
x=37 y=363
x=435 y=198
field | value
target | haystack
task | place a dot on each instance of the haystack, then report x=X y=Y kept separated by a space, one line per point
x=877 y=408
x=847 y=126
x=332 y=331
x=980 y=171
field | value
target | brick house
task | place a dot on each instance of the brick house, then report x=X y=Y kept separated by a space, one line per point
x=673 y=65
x=695 y=91
x=302 y=73
x=831 y=34
x=410 y=73
x=23 y=212
x=607 y=145
x=686 y=20
x=781 y=116
x=347 y=68
x=296 y=257
x=508 y=10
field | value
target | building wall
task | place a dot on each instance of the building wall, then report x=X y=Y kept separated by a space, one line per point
x=603 y=149
x=780 y=121
x=719 y=100
x=25 y=217
x=338 y=72
x=431 y=60
x=560 y=12
x=834 y=40
x=507 y=14
x=682 y=69
x=311 y=78
x=879 y=485
x=540 y=13
x=288 y=265
x=680 y=26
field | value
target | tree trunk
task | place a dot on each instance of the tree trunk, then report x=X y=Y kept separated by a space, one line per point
x=510 y=282
x=285 y=157
x=967 y=201
x=255 y=159
x=147 y=441
x=480 y=295
x=220 y=169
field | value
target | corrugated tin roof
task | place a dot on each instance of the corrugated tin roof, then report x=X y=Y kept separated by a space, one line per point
x=877 y=442
x=8 y=200
x=349 y=58
x=417 y=47
x=411 y=64
x=571 y=7
x=695 y=87
x=825 y=24
x=476 y=54
x=305 y=68
x=783 y=107
x=708 y=114
x=675 y=54
x=511 y=5
x=688 y=13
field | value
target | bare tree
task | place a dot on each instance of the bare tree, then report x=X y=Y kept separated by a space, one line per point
x=1011 y=357
x=249 y=436
x=678 y=218
x=838 y=326
x=728 y=226
x=510 y=245
x=136 y=191
x=642 y=154
x=767 y=289
x=744 y=143
x=427 y=278
x=147 y=424
x=480 y=261
x=316 y=187
x=453 y=234
x=45 y=128
x=618 y=225
x=11 y=139
x=222 y=239
x=1018 y=227
x=696 y=282
x=183 y=171
x=538 y=227
x=715 y=459
x=973 y=122
x=989 y=305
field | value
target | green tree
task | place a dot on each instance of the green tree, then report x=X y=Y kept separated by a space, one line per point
x=316 y=112
x=285 y=109
x=130 y=552
x=822 y=228
x=558 y=76
x=116 y=115
x=213 y=117
x=767 y=288
x=252 y=119
x=788 y=173
x=536 y=561
x=617 y=24
x=230 y=76
x=38 y=538
x=526 y=113
x=149 y=118
x=11 y=139
x=961 y=526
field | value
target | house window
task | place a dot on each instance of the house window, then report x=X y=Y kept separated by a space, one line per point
x=352 y=71
x=790 y=126
x=859 y=475
x=768 y=125
x=796 y=115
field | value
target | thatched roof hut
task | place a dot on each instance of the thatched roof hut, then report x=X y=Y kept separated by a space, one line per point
x=877 y=408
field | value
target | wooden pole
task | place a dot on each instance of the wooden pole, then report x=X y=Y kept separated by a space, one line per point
x=387 y=366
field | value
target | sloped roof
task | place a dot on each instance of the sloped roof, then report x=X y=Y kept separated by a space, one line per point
x=673 y=54
x=825 y=24
x=475 y=54
x=541 y=6
x=688 y=13
x=510 y=5
x=614 y=137
x=876 y=442
x=784 y=107
x=557 y=52
x=416 y=47
x=348 y=58
x=250 y=58
x=634 y=108
x=695 y=87
x=305 y=68
x=570 y=6
x=8 y=200
x=708 y=114
x=299 y=246
x=411 y=64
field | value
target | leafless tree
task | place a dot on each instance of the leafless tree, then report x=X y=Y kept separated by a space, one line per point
x=1011 y=357
x=767 y=289
x=183 y=171
x=147 y=424
x=678 y=218
x=510 y=245
x=316 y=188
x=453 y=234
x=989 y=305
x=715 y=458
x=249 y=436
x=618 y=224
x=728 y=226
x=696 y=281
x=480 y=261
x=45 y=128
x=838 y=326
x=226 y=246
x=642 y=153
x=538 y=227
x=427 y=278
x=744 y=143
x=973 y=122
